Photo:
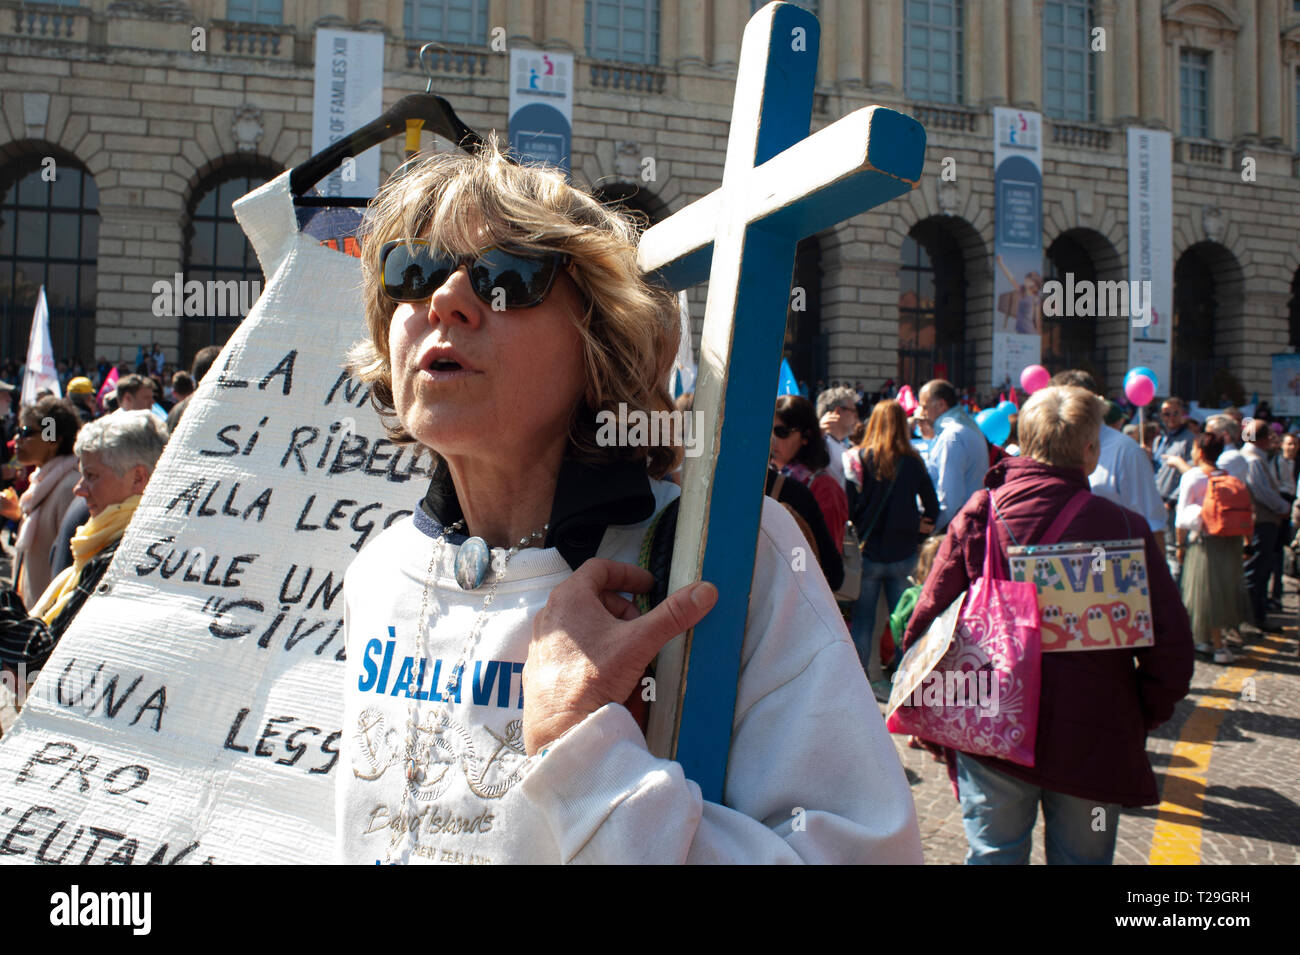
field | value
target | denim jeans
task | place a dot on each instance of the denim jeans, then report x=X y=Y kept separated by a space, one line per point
x=999 y=812
x=893 y=578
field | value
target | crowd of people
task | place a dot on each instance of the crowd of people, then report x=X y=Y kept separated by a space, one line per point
x=1213 y=503
x=895 y=496
x=74 y=469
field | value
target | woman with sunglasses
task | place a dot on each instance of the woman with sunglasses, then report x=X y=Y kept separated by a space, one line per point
x=46 y=435
x=799 y=451
x=494 y=654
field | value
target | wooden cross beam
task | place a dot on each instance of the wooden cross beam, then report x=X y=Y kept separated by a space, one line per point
x=779 y=185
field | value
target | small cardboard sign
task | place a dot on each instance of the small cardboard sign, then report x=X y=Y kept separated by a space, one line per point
x=1092 y=595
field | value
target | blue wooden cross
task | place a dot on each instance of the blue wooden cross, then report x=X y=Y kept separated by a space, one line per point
x=779 y=185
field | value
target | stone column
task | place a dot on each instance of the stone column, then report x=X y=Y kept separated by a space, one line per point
x=1123 y=46
x=1026 y=54
x=729 y=18
x=690 y=33
x=564 y=26
x=995 y=57
x=1270 y=73
x=1107 y=71
x=972 y=51
x=1151 y=30
x=521 y=22
x=885 y=39
x=846 y=29
x=1246 y=84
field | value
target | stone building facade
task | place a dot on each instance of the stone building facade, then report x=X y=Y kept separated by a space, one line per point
x=163 y=135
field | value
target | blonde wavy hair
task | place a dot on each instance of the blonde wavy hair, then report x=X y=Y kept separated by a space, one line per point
x=465 y=203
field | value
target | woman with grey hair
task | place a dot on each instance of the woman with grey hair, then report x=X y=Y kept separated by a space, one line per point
x=1096 y=702
x=116 y=456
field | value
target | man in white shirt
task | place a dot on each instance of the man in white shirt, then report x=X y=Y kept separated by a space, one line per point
x=958 y=458
x=1270 y=510
x=837 y=412
x=1123 y=474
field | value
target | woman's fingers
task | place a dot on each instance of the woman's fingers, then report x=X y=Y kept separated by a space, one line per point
x=677 y=614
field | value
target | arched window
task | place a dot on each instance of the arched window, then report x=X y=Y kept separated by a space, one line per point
x=932 y=58
x=49 y=235
x=448 y=21
x=1070 y=341
x=931 y=306
x=216 y=250
x=626 y=30
x=256 y=11
x=1069 y=65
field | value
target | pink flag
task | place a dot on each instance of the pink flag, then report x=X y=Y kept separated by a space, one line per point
x=907 y=399
x=110 y=384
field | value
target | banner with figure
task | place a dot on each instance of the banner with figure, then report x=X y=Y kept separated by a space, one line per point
x=1018 y=243
x=192 y=712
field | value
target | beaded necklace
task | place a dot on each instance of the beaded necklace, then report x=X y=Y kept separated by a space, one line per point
x=416 y=758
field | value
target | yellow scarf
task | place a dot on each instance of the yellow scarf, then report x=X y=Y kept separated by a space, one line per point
x=90 y=538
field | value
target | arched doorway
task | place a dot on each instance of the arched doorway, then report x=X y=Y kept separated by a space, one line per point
x=1208 y=296
x=215 y=247
x=932 y=306
x=805 y=346
x=1097 y=344
x=49 y=235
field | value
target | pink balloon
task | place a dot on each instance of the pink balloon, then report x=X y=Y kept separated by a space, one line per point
x=1140 y=390
x=1034 y=377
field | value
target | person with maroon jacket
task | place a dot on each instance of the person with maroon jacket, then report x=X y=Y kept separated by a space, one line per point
x=1096 y=706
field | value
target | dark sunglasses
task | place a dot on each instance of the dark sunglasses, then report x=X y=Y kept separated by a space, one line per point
x=27 y=431
x=782 y=431
x=412 y=270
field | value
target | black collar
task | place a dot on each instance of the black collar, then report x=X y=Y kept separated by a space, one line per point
x=587 y=500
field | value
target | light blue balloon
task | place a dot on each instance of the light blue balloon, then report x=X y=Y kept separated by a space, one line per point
x=1007 y=408
x=995 y=425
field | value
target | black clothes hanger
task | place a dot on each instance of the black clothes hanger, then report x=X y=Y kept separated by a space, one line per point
x=408 y=115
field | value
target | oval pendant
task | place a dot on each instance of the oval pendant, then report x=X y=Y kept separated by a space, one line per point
x=472 y=563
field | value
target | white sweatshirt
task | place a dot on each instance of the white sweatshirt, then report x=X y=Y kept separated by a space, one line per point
x=812 y=777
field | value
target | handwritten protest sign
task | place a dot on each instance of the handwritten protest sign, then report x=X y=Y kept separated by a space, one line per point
x=1091 y=596
x=192 y=713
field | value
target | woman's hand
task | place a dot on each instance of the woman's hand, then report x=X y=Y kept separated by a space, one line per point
x=9 y=507
x=590 y=645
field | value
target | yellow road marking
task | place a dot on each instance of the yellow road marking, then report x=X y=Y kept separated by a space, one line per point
x=1177 y=837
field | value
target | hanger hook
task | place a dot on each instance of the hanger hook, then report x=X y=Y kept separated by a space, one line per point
x=427 y=67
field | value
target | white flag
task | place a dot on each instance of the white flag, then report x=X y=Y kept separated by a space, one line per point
x=684 y=367
x=40 y=356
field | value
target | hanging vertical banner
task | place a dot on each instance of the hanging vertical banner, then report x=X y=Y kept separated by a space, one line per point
x=1018 y=243
x=1150 y=251
x=1286 y=384
x=541 y=106
x=349 y=93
